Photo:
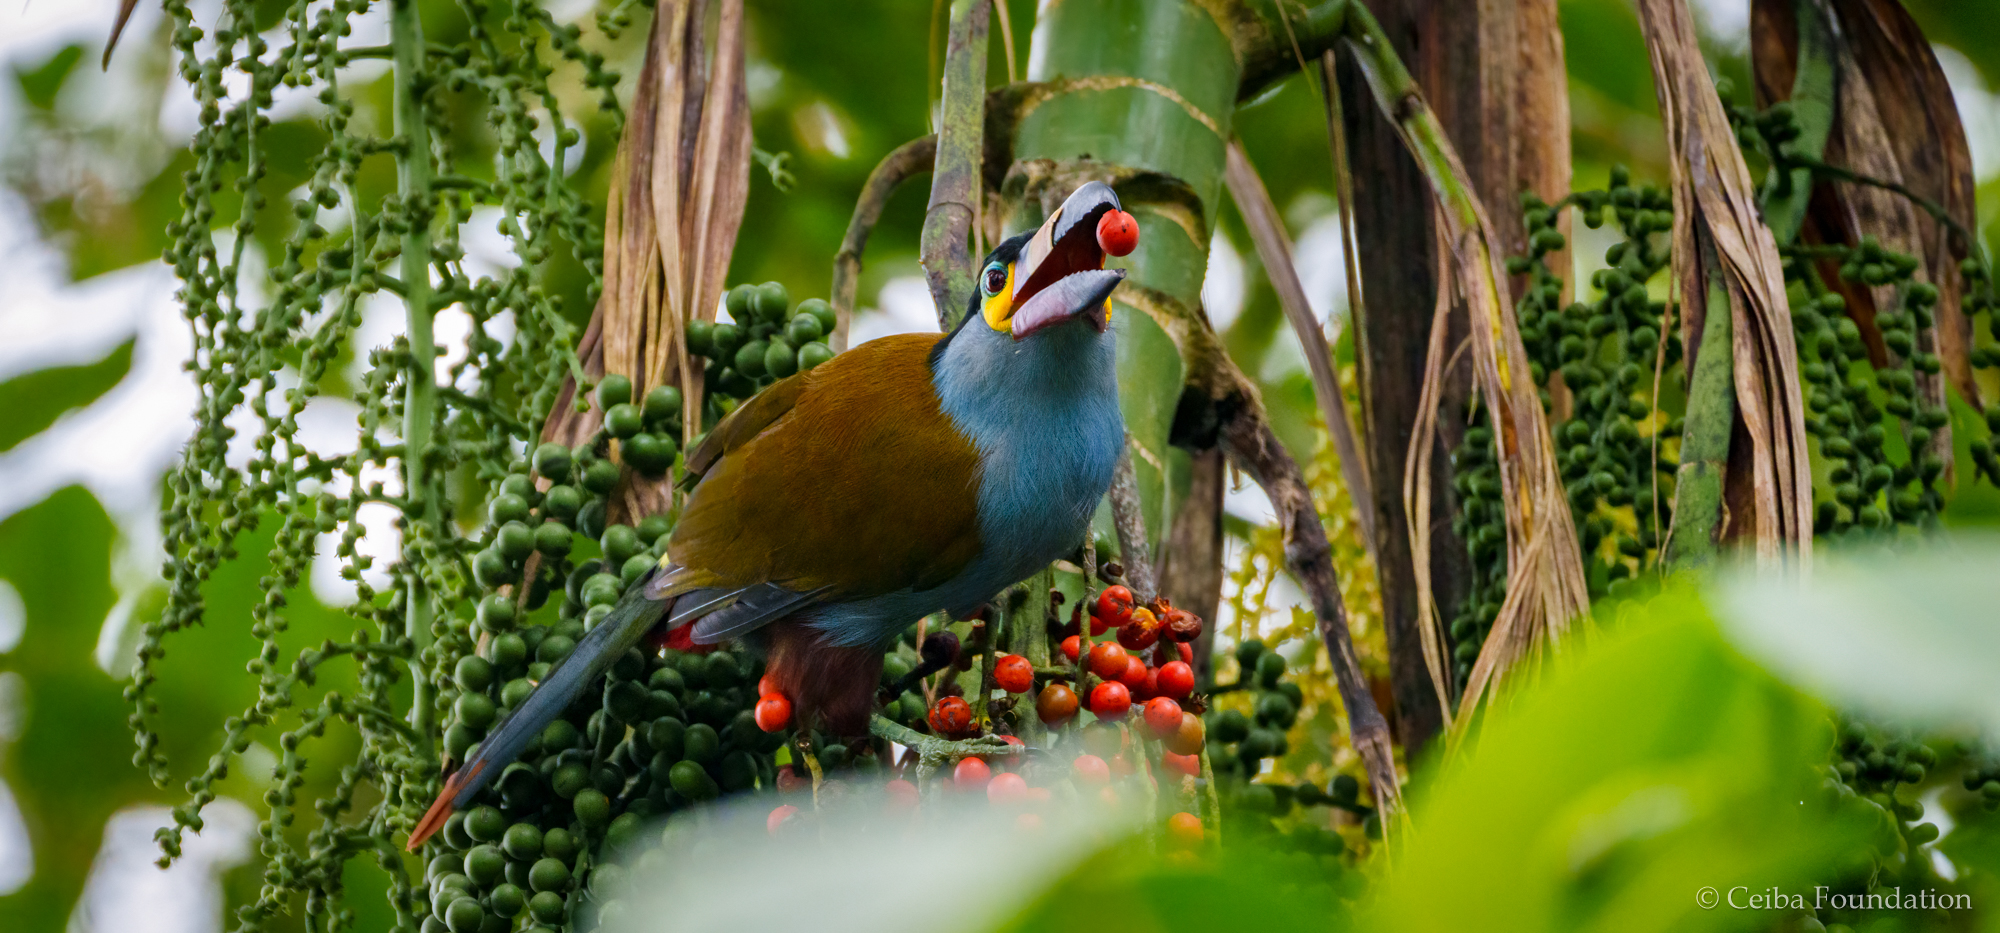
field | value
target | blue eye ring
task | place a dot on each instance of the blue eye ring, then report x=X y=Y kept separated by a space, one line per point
x=993 y=279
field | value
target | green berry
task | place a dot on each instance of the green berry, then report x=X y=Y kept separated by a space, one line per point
x=819 y=309
x=650 y=454
x=635 y=567
x=663 y=404
x=465 y=915
x=508 y=900
x=509 y=649
x=619 y=543
x=570 y=779
x=484 y=864
x=547 y=906
x=475 y=710
x=780 y=360
x=740 y=302
x=473 y=673
x=553 y=539
x=593 y=809
x=496 y=612
x=507 y=507
x=724 y=340
x=623 y=421
x=459 y=739
x=804 y=329
x=562 y=503
x=523 y=841
x=552 y=461
x=548 y=875
x=554 y=648
x=492 y=570
x=602 y=590
x=620 y=833
x=652 y=527
x=700 y=336
x=771 y=302
x=516 y=692
x=813 y=354
x=600 y=477
x=615 y=390
x=691 y=781
x=702 y=745
x=485 y=824
x=514 y=541
x=749 y=359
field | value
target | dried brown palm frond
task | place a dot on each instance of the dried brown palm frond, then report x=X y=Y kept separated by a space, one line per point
x=1546 y=590
x=1718 y=228
x=679 y=184
x=1893 y=121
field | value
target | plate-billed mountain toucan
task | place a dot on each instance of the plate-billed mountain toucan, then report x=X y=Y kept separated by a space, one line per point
x=910 y=475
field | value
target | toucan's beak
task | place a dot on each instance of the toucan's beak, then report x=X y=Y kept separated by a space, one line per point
x=1060 y=275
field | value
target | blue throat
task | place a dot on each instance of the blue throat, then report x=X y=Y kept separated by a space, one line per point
x=1043 y=414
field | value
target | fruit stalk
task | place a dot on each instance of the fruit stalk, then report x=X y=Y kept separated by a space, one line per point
x=1711 y=416
x=413 y=186
x=901 y=164
x=945 y=248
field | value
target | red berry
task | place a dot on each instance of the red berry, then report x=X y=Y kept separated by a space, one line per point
x=902 y=794
x=1011 y=740
x=1140 y=631
x=1134 y=675
x=1114 y=605
x=1091 y=769
x=1014 y=674
x=1107 y=660
x=1186 y=739
x=766 y=686
x=1163 y=716
x=1055 y=704
x=1110 y=700
x=1185 y=829
x=1117 y=233
x=1181 y=625
x=1189 y=765
x=779 y=816
x=971 y=773
x=774 y=712
x=1148 y=688
x=951 y=716
x=1097 y=625
x=1007 y=788
x=1176 y=679
x=789 y=780
x=1071 y=646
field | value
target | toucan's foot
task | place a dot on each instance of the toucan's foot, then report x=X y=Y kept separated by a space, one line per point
x=933 y=752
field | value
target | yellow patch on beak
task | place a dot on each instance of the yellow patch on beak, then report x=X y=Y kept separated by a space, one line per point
x=999 y=306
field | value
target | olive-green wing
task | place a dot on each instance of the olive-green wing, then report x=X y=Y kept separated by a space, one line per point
x=850 y=481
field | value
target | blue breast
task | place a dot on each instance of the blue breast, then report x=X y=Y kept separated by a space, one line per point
x=1043 y=414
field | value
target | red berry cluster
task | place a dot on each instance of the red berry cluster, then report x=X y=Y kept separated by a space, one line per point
x=774 y=711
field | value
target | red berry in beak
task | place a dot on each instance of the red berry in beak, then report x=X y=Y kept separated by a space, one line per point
x=1117 y=233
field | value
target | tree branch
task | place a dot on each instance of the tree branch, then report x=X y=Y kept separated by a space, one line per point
x=945 y=249
x=901 y=164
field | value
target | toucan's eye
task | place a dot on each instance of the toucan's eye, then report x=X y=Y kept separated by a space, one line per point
x=994 y=279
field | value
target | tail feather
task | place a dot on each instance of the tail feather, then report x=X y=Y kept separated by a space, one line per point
x=596 y=652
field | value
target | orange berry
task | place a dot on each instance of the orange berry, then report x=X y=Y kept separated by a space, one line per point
x=951 y=716
x=1184 y=829
x=1189 y=765
x=1072 y=645
x=1110 y=700
x=1091 y=769
x=1176 y=679
x=1118 y=233
x=902 y=794
x=1163 y=716
x=1114 y=606
x=1014 y=674
x=780 y=815
x=1057 y=703
x=774 y=712
x=971 y=773
x=1187 y=738
x=1134 y=675
x=1108 y=659
x=1007 y=788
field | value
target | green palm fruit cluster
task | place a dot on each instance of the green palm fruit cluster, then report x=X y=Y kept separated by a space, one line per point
x=1981 y=299
x=1480 y=522
x=766 y=339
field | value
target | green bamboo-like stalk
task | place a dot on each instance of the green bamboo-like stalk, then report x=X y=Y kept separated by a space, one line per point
x=1163 y=106
x=413 y=185
x=1812 y=103
x=1711 y=415
x=946 y=246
